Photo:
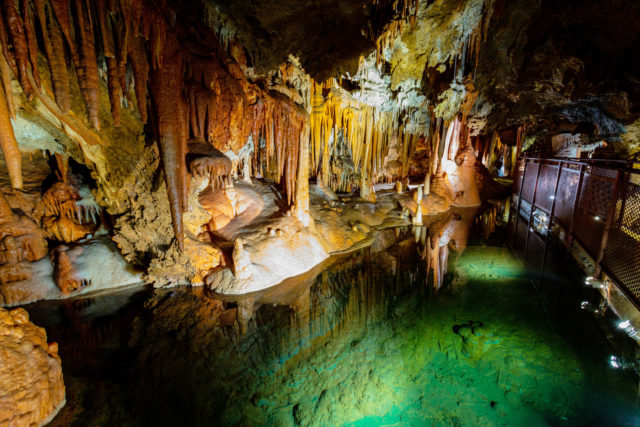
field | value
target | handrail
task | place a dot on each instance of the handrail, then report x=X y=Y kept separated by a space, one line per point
x=580 y=161
x=611 y=163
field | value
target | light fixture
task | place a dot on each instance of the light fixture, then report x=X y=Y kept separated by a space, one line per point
x=597 y=218
x=615 y=362
x=586 y=305
x=595 y=283
x=624 y=325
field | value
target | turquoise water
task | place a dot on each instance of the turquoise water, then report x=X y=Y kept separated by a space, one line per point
x=364 y=340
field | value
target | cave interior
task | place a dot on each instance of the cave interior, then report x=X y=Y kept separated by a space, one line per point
x=235 y=151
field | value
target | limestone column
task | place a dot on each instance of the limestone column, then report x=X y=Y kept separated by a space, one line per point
x=301 y=207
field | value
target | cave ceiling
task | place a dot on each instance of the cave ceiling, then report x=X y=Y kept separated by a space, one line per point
x=556 y=66
x=327 y=36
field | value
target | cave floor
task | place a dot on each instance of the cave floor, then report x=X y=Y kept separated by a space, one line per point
x=363 y=339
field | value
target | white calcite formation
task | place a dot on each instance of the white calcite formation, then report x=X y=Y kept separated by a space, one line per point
x=31 y=387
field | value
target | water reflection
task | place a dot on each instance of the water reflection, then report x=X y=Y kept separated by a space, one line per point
x=434 y=240
x=374 y=337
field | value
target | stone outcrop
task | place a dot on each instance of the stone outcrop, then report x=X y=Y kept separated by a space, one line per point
x=31 y=386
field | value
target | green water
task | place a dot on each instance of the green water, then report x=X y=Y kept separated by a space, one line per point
x=364 y=340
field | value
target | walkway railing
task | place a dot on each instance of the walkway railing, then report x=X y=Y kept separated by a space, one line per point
x=595 y=202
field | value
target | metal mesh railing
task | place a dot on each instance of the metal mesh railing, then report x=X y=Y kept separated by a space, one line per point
x=595 y=202
x=566 y=195
x=546 y=184
x=622 y=252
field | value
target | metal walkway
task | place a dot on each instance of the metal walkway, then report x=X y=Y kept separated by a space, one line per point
x=595 y=202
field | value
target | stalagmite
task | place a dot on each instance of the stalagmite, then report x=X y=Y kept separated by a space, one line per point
x=20 y=49
x=9 y=144
x=417 y=218
x=302 y=181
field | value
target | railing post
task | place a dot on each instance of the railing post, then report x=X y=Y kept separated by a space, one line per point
x=611 y=211
x=623 y=196
x=524 y=174
x=549 y=225
x=533 y=201
x=575 y=207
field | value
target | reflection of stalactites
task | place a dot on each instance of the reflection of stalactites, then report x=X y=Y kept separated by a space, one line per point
x=436 y=257
x=443 y=260
x=20 y=49
x=88 y=66
x=246 y=310
x=9 y=144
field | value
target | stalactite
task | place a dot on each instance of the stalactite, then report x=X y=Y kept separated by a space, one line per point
x=405 y=11
x=9 y=144
x=167 y=87
x=217 y=105
x=114 y=80
x=62 y=162
x=32 y=42
x=62 y=12
x=88 y=67
x=282 y=125
x=20 y=49
x=106 y=30
x=115 y=93
x=124 y=27
x=367 y=134
x=4 y=43
x=5 y=76
x=140 y=67
x=55 y=52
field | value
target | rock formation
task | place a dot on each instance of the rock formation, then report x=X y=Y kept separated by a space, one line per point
x=134 y=105
x=234 y=145
x=31 y=386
